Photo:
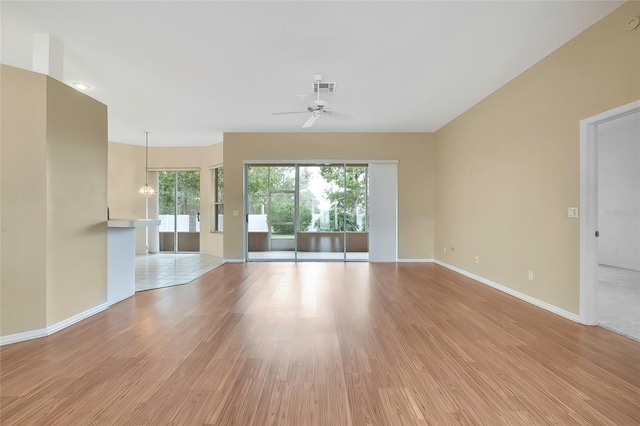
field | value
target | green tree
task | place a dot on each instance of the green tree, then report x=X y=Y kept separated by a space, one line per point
x=283 y=211
x=350 y=201
x=336 y=224
x=188 y=192
x=263 y=180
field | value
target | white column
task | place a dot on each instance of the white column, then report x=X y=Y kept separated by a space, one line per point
x=48 y=55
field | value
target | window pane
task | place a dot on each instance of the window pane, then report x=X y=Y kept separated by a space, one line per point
x=217 y=188
x=321 y=198
x=282 y=215
x=356 y=198
x=282 y=178
x=258 y=191
x=166 y=200
x=219 y=185
x=188 y=201
x=219 y=217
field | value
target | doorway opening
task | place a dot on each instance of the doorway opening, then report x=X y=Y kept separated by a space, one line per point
x=179 y=211
x=610 y=220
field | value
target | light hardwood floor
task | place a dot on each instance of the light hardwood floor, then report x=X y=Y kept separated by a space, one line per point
x=323 y=344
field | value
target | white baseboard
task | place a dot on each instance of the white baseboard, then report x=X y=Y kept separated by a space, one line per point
x=21 y=337
x=233 y=260
x=539 y=303
x=43 y=332
x=78 y=317
x=619 y=265
x=415 y=260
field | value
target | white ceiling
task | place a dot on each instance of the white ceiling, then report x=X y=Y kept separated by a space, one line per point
x=189 y=71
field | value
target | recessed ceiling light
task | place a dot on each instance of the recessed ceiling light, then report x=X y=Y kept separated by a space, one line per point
x=81 y=86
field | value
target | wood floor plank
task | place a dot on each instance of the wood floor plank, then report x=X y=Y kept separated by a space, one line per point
x=323 y=344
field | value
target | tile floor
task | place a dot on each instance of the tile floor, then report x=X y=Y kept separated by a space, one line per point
x=167 y=269
x=619 y=300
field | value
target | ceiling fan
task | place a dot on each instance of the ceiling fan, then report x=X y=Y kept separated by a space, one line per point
x=316 y=107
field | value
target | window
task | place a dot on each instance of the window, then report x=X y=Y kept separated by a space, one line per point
x=217 y=214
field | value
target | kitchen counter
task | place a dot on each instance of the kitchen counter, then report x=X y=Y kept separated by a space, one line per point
x=132 y=223
x=121 y=272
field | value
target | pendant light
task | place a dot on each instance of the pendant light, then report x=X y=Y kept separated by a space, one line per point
x=146 y=190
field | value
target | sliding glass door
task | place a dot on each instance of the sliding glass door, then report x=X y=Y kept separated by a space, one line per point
x=307 y=212
x=179 y=211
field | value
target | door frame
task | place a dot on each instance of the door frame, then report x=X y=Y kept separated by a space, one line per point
x=175 y=200
x=589 y=208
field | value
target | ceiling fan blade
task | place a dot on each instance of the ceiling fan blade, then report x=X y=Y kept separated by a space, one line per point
x=310 y=121
x=307 y=100
x=338 y=115
x=291 y=112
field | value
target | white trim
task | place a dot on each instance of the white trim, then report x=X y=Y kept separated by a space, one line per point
x=589 y=207
x=614 y=113
x=416 y=260
x=234 y=260
x=174 y=169
x=43 y=332
x=621 y=266
x=304 y=162
x=76 y=318
x=21 y=337
x=539 y=303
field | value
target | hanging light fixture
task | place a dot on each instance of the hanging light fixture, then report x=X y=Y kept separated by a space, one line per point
x=146 y=190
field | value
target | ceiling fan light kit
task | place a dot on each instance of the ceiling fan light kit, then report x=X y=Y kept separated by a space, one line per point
x=316 y=107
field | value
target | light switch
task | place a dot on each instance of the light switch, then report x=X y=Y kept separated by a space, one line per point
x=235 y=212
x=572 y=212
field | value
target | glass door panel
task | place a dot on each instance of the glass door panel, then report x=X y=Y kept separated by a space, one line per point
x=282 y=219
x=321 y=227
x=167 y=210
x=188 y=211
x=271 y=216
x=179 y=211
x=356 y=220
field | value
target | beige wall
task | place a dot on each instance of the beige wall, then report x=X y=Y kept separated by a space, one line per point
x=507 y=169
x=413 y=151
x=23 y=112
x=126 y=176
x=54 y=262
x=201 y=158
x=76 y=202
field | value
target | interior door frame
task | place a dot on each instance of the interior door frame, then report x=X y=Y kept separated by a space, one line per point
x=589 y=208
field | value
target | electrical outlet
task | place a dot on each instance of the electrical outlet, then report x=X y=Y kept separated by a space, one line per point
x=444 y=250
x=477 y=259
x=572 y=212
x=531 y=275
